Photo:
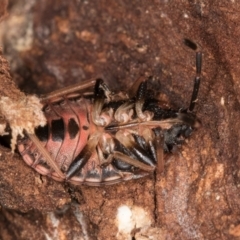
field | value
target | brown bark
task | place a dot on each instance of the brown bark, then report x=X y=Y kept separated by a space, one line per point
x=58 y=43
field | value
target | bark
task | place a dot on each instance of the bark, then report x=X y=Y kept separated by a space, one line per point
x=50 y=44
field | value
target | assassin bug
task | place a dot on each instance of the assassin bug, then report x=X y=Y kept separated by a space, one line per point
x=94 y=136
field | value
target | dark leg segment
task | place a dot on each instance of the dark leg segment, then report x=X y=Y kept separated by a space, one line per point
x=198 y=63
x=101 y=95
x=141 y=94
x=132 y=161
x=130 y=148
x=140 y=141
x=140 y=100
x=82 y=158
x=98 y=103
x=196 y=81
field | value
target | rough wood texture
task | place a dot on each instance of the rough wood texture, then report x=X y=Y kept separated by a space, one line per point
x=57 y=43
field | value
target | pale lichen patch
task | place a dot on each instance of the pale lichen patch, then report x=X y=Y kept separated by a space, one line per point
x=24 y=114
x=130 y=218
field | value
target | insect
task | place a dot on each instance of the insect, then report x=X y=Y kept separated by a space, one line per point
x=97 y=137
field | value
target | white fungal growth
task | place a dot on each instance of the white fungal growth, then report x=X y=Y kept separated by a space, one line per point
x=128 y=219
x=222 y=101
x=23 y=114
x=124 y=220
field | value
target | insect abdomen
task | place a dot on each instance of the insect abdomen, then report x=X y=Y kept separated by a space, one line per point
x=64 y=136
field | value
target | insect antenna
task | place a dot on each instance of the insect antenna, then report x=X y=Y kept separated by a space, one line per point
x=197 y=81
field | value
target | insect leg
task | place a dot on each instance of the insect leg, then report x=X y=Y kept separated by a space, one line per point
x=140 y=141
x=126 y=144
x=101 y=93
x=132 y=161
x=125 y=149
x=149 y=137
x=141 y=95
x=99 y=99
x=196 y=81
x=103 y=161
x=105 y=148
x=124 y=113
x=79 y=87
x=135 y=86
x=82 y=158
x=46 y=155
x=101 y=89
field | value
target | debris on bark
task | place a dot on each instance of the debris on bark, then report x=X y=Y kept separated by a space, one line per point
x=25 y=114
